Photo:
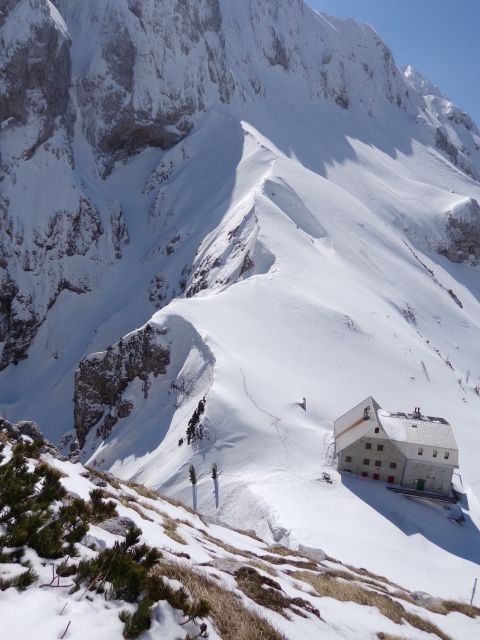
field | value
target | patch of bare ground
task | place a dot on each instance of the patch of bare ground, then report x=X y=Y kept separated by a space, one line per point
x=231 y=618
x=346 y=591
x=268 y=593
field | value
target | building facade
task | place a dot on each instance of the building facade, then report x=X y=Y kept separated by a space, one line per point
x=406 y=449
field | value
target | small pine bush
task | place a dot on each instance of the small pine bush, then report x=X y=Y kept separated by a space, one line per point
x=26 y=579
x=52 y=488
x=21 y=582
x=132 y=536
x=138 y=622
x=101 y=510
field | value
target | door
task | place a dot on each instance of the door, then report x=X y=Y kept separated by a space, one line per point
x=420 y=485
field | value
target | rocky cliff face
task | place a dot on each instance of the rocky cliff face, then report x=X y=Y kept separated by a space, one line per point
x=144 y=71
x=102 y=379
x=35 y=76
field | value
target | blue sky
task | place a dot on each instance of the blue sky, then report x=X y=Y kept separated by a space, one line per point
x=441 y=38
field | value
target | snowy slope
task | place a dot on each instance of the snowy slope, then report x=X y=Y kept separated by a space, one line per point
x=308 y=235
x=253 y=589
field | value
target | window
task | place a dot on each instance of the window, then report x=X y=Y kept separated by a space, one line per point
x=435 y=453
x=378 y=463
x=366 y=462
x=379 y=447
x=377 y=430
x=364 y=474
x=348 y=458
x=376 y=476
x=446 y=455
x=391 y=479
x=368 y=445
x=420 y=452
x=393 y=465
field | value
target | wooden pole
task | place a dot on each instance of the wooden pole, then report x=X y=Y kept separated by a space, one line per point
x=473 y=591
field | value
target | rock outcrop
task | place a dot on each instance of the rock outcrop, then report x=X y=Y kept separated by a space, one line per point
x=462 y=229
x=102 y=378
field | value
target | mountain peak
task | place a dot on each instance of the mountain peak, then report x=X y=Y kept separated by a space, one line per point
x=421 y=82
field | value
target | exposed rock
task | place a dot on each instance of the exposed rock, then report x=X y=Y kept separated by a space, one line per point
x=117 y=526
x=23 y=309
x=316 y=555
x=136 y=110
x=98 y=482
x=463 y=233
x=35 y=72
x=229 y=565
x=455 y=155
x=29 y=429
x=247 y=264
x=424 y=599
x=120 y=237
x=103 y=377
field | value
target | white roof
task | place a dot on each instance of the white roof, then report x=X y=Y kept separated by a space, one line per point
x=405 y=430
x=424 y=430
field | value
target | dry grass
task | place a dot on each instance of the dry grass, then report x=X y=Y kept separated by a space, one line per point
x=461 y=607
x=129 y=501
x=263 y=566
x=445 y=607
x=268 y=593
x=388 y=636
x=141 y=489
x=280 y=550
x=169 y=524
x=114 y=482
x=227 y=547
x=231 y=618
x=328 y=586
x=248 y=534
x=170 y=528
x=369 y=574
x=300 y=564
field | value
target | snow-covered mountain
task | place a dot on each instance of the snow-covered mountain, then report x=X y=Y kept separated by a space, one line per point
x=212 y=209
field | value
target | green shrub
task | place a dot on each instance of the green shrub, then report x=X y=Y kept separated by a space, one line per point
x=101 y=510
x=21 y=582
x=138 y=622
